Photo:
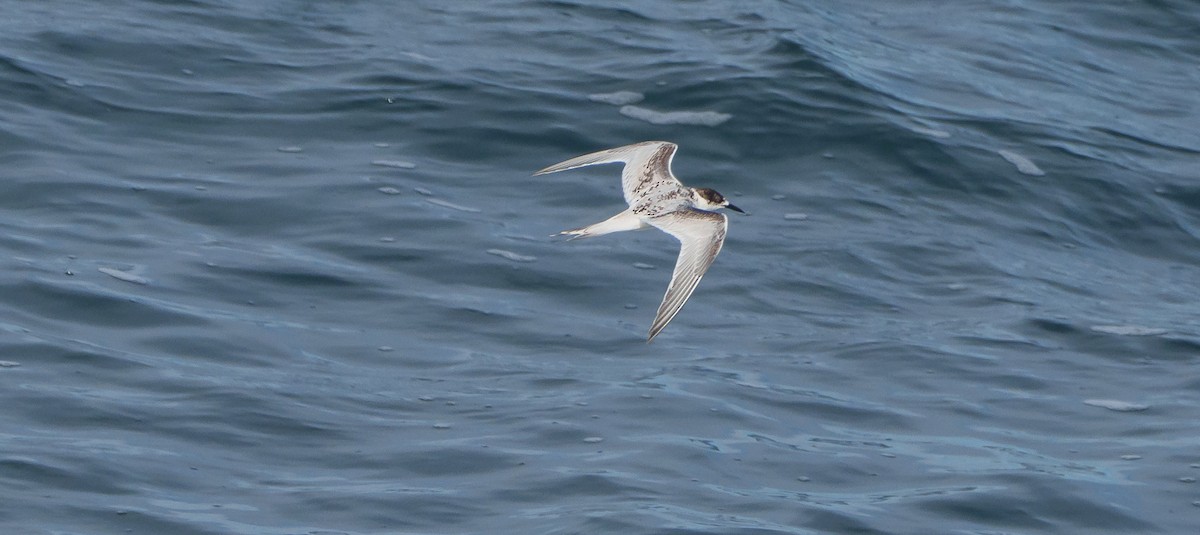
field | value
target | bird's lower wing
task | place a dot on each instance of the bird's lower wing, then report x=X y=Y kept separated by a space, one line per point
x=701 y=235
x=645 y=163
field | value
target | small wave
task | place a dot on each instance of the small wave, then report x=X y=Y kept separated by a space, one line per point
x=1116 y=405
x=515 y=257
x=1128 y=330
x=705 y=118
x=931 y=132
x=619 y=98
x=1024 y=165
x=452 y=206
x=123 y=275
x=396 y=164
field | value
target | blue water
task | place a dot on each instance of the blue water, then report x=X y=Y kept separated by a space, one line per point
x=280 y=267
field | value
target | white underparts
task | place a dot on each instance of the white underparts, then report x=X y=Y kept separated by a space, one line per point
x=621 y=222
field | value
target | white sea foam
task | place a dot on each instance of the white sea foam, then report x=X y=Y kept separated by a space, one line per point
x=1128 y=330
x=123 y=275
x=1024 y=165
x=705 y=118
x=619 y=98
x=398 y=164
x=1116 y=405
x=452 y=206
x=931 y=132
x=418 y=56
x=515 y=257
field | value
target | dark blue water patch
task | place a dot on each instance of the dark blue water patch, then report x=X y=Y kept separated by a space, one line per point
x=70 y=301
x=963 y=299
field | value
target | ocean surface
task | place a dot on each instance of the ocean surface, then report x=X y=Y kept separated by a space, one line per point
x=280 y=267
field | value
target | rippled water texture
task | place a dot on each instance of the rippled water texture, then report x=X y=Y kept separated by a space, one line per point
x=280 y=267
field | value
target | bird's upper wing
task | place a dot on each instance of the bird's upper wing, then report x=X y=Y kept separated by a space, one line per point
x=646 y=164
x=701 y=235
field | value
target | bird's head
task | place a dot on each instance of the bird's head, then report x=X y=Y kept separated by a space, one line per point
x=709 y=199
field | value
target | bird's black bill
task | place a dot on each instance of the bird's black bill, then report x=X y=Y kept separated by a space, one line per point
x=736 y=209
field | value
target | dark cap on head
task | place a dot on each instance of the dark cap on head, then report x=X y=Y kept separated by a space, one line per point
x=713 y=197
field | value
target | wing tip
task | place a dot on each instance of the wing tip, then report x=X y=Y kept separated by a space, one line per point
x=658 y=326
x=653 y=333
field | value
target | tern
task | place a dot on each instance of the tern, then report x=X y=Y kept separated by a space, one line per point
x=657 y=199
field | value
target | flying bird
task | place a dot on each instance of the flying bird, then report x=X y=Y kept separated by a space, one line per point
x=657 y=199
